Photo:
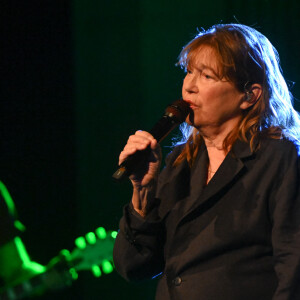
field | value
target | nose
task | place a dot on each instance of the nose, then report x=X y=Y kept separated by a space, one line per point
x=189 y=84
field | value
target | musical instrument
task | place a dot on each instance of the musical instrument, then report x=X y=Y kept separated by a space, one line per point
x=92 y=252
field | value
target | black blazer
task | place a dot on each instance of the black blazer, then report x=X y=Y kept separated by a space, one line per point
x=238 y=238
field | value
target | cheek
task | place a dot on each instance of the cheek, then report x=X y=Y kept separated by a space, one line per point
x=223 y=98
x=183 y=87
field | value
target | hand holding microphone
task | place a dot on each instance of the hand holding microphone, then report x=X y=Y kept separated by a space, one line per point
x=144 y=149
x=141 y=154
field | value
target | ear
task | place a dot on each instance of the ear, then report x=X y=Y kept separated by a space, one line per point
x=252 y=95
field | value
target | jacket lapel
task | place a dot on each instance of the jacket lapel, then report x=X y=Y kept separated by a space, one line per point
x=174 y=188
x=229 y=170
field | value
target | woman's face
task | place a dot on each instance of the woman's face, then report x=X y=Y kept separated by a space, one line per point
x=214 y=102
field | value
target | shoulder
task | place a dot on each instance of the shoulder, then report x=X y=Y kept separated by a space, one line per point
x=280 y=146
x=280 y=151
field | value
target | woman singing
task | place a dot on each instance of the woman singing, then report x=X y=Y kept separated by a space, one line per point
x=222 y=220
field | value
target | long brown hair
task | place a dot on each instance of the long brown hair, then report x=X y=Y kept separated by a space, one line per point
x=245 y=57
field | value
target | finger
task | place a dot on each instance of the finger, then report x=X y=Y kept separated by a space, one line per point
x=144 y=134
x=130 y=149
x=154 y=144
x=138 y=139
x=124 y=154
x=139 y=143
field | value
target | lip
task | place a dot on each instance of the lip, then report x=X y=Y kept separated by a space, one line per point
x=191 y=104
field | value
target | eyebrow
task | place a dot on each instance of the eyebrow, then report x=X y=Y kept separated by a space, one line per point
x=202 y=67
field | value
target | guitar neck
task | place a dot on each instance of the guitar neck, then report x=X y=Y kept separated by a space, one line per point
x=51 y=279
x=62 y=269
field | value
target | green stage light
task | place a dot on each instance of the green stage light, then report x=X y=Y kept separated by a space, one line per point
x=114 y=234
x=80 y=242
x=66 y=254
x=73 y=273
x=101 y=233
x=19 y=225
x=91 y=238
x=107 y=267
x=96 y=271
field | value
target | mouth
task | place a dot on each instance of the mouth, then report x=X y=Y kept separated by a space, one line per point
x=191 y=104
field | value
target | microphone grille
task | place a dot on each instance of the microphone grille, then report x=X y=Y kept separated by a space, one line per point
x=179 y=109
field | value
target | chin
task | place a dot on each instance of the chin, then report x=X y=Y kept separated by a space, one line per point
x=190 y=120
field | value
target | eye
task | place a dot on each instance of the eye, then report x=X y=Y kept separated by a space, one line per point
x=207 y=75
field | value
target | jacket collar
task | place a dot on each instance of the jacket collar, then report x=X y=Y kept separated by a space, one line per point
x=241 y=149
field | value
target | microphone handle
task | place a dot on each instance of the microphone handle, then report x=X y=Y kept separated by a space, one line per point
x=160 y=130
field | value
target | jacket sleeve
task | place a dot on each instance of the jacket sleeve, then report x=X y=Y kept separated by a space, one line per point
x=138 y=251
x=138 y=247
x=285 y=209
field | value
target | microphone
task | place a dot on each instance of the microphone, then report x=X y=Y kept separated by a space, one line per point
x=175 y=114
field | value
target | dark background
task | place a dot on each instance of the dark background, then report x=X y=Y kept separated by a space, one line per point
x=77 y=77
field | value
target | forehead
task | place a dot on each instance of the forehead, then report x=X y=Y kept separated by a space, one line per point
x=204 y=57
